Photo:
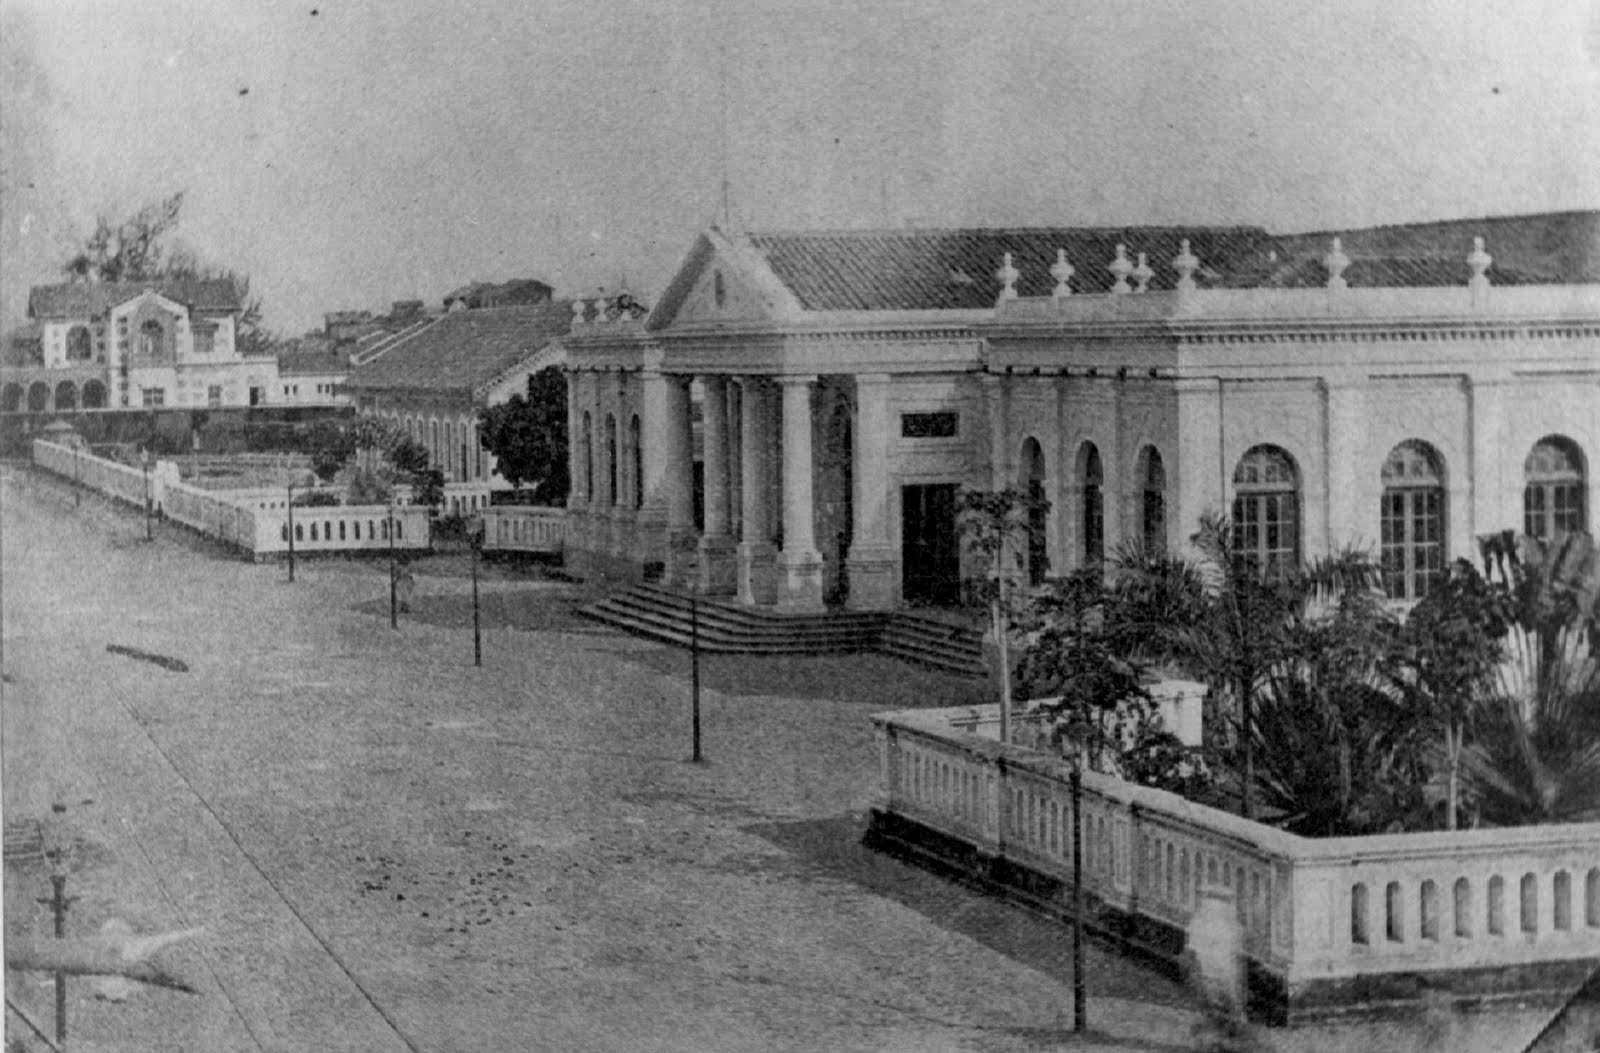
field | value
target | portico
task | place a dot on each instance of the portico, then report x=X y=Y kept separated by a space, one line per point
x=791 y=425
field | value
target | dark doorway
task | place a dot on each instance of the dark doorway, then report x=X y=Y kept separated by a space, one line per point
x=930 y=560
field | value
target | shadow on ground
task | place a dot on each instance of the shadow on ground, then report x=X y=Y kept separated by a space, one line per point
x=831 y=849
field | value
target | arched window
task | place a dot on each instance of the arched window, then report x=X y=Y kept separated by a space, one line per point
x=1094 y=511
x=150 y=337
x=588 y=458
x=1153 y=504
x=1412 y=520
x=611 y=459
x=1038 y=512
x=1266 y=511
x=635 y=443
x=1552 y=494
x=38 y=396
x=94 y=395
x=80 y=346
x=66 y=395
x=12 y=400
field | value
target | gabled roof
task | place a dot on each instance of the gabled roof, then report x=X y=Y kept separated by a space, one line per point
x=460 y=351
x=92 y=299
x=910 y=270
x=313 y=362
x=906 y=270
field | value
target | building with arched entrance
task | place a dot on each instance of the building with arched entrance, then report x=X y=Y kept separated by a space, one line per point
x=131 y=345
x=793 y=421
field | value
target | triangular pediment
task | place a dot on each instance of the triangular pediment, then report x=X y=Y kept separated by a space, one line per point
x=154 y=299
x=723 y=280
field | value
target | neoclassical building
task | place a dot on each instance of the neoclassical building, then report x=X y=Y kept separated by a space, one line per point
x=791 y=424
x=121 y=345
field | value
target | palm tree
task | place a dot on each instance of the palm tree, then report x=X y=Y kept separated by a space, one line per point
x=1536 y=757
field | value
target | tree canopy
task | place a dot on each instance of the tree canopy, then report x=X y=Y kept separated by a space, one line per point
x=528 y=437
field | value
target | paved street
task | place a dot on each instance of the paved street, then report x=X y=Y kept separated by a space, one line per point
x=389 y=849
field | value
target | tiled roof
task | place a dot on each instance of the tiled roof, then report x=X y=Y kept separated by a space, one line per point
x=305 y=363
x=1541 y=249
x=464 y=349
x=885 y=270
x=78 y=299
x=876 y=270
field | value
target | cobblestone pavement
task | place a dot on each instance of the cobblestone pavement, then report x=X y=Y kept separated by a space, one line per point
x=390 y=849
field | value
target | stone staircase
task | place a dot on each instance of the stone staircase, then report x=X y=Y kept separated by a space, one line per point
x=663 y=614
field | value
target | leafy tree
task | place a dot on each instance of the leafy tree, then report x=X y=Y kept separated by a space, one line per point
x=331 y=448
x=528 y=437
x=995 y=525
x=1447 y=652
x=130 y=250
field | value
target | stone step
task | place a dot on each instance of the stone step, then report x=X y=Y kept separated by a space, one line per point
x=664 y=615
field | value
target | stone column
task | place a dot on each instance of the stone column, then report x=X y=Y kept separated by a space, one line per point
x=735 y=458
x=576 y=498
x=718 y=573
x=650 y=536
x=871 y=564
x=799 y=564
x=678 y=484
x=758 y=583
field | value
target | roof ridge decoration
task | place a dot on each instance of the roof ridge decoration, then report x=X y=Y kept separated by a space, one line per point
x=1062 y=272
x=1120 y=268
x=739 y=252
x=1337 y=263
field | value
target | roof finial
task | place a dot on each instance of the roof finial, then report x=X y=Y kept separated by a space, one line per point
x=577 y=311
x=1008 y=276
x=1142 y=275
x=1062 y=272
x=1120 y=268
x=1336 y=262
x=1478 y=261
x=1185 y=263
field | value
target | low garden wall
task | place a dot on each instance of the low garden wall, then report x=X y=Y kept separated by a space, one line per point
x=1327 y=925
x=524 y=528
x=255 y=521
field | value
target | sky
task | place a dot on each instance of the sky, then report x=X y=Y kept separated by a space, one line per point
x=348 y=154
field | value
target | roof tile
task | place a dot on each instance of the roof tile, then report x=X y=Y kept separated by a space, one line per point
x=464 y=349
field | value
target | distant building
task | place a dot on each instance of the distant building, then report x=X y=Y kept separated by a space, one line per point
x=517 y=292
x=433 y=378
x=105 y=345
x=312 y=373
x=794 y=421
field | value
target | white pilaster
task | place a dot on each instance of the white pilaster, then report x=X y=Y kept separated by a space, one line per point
x=1202 y=487
x=678 y=483
x=1349 y=523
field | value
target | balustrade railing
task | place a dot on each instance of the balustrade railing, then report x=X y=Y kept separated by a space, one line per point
x=1325 y=908
x=514 y=528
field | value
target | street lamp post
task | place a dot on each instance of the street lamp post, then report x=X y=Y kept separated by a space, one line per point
x=291 y=532
x=477 y=633
x=694 y=665
x=394 y=596
x=77 y=485
x=1080 y=984
x=149 y=530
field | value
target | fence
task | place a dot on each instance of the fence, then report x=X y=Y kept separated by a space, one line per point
x=256 y=521
x=521 y=528
x=1327 y=912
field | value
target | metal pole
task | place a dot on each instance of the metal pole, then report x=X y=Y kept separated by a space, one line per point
x=77 y=486
x=694 y=666
x=291 y=532
x=58 y=883
x=394 y=598
x=477 y=630
x=1080 y=985
x=149 y=531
